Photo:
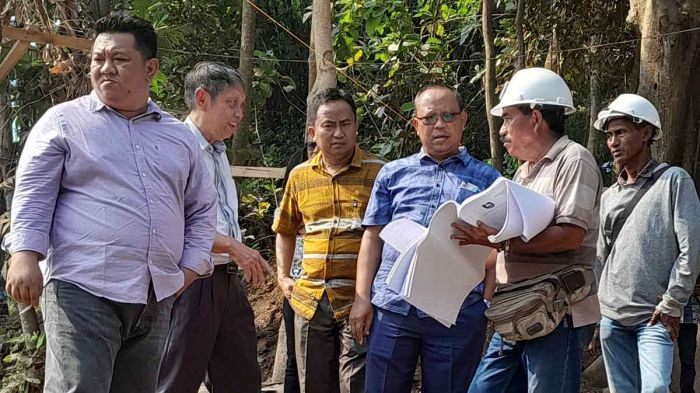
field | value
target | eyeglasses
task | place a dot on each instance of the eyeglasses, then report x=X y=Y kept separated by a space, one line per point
x=447 y=117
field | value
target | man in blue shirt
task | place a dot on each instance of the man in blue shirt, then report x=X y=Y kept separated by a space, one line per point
x=414 y=187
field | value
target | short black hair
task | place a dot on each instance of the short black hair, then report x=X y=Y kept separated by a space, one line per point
x=126 y=22
x=325 y=96
x=553 y=115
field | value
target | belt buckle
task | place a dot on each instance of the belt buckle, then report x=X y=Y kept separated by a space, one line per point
x=231 y=268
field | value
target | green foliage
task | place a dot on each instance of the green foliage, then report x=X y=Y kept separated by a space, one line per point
x=21 y=358
x=257 y=204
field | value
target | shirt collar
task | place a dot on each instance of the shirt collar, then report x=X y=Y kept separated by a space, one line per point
x=97 y=105
x=317 y=161
x=647 y=171
x=557 y=148
x=216 y=147
x=463 y=155
x=530 y=169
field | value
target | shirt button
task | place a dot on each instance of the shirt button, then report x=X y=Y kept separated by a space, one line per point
x=154 y=231
x=150 y=200
x=138 y=147
x=143 y=174
x=150 y=262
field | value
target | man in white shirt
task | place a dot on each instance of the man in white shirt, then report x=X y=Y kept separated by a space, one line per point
x=212 y=332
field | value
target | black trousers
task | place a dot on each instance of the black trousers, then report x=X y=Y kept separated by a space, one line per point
x=686 y=350
x=291 y=375
x=212 y=338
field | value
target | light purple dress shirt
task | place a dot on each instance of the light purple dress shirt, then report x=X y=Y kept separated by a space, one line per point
x=114 y=204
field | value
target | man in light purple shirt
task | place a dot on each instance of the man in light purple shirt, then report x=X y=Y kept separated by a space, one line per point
x=112 y=192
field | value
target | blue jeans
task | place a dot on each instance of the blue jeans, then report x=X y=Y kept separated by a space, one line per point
x=547 y=364
x=637 y=358
x=449 y=356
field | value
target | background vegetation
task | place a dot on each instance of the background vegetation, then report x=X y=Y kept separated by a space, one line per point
x=385 y=50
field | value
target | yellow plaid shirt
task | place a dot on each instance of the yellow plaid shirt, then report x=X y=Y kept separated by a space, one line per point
x=331 y=209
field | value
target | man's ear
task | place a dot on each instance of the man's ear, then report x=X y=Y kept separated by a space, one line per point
x=152 y=66
x=537 y=120
x=648 y=133
x=311 y=130
x=465 y=117
x=201 y=98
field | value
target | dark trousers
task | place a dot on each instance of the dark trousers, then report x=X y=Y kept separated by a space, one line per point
x=328 y=357
x=687 y=345
x=212 y=338
x=96 y=345
x=291 y=375
x=449 y=356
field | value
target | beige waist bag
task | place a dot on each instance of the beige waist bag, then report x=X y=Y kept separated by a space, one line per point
x=534 y=308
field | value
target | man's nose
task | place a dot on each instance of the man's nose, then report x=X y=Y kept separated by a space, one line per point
x=107 y=66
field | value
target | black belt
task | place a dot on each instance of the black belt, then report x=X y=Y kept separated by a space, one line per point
x=230 y=268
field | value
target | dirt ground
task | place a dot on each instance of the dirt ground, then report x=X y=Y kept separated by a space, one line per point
x=267 y=306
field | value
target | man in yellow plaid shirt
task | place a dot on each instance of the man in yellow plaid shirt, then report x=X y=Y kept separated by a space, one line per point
x=326 y=197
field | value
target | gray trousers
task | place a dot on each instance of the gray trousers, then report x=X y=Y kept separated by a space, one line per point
x=329 y=359
x=95 y=345
x=212 y=339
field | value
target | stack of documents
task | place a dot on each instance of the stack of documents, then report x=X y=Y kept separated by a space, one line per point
x=434 y=273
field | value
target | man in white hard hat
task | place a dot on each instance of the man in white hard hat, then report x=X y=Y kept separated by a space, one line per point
x=547 y=359
x=648 y=250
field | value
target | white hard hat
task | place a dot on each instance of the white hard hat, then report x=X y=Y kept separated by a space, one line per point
x=535 y=86
x=632 y=106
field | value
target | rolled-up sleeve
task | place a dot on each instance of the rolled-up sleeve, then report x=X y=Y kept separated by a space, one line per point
x=288 y=217
x=687 y=230
x=37 y=184
x=379 y=208
x=200 y=216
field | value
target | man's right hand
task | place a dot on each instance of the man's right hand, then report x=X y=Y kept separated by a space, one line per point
x=24 y=279
x=361 y=318
x=286 y=283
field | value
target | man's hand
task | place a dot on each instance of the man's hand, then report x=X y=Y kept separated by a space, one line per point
x=286 y=283
x=252 y=263
x=593 y=347
x=361 y=318
x=24 y=278
x=672 y=324
x=467 y=234
x=190 y=276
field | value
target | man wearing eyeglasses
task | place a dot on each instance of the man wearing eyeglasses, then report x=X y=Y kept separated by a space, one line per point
x=413 y=188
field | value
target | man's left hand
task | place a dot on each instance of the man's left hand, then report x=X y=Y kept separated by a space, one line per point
x=190 y=276
x=467 y=234
x=672 y=324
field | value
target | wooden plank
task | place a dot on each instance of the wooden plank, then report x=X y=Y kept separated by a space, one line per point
x=258 y=171
x=33 y=35
x=13 y=56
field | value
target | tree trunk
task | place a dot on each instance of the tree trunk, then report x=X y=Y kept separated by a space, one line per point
x=553 y=60
x=312 y=68
x=241 y=141
x=323 y=47
x=490 y=83
x=668 y=65
x=520 y=35
x=594 y=97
